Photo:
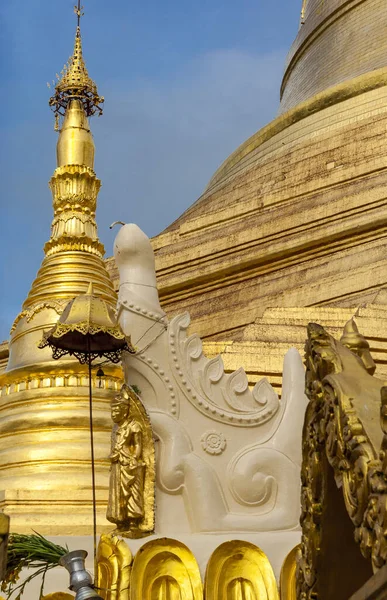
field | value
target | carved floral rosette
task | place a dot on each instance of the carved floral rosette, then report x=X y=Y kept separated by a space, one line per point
x=332 y=427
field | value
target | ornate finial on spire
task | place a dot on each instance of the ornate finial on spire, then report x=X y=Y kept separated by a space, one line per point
x=75 y=81
x=78 y=9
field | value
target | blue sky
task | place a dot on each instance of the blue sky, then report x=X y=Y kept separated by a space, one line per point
x=184 y=84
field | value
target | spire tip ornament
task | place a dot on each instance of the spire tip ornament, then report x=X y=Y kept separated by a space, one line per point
x=78 y=9
x=75 y=81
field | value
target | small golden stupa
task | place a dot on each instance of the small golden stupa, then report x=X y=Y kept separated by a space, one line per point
x=45 y=476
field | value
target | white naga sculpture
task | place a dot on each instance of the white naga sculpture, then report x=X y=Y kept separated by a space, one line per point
x=228 y=458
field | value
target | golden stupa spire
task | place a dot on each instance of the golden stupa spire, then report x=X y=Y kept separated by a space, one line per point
x=75 y=81
x=74 y=254
x=48 y=450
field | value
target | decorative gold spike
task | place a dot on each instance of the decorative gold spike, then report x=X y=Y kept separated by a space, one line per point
x=78 y=9
x=77 y=77
x=357 y=343
x=75 y=81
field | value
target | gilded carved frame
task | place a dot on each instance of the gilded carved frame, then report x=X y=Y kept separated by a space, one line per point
x=333 y=427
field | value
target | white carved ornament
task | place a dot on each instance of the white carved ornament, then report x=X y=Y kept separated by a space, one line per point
x=213 y=442
x=222 y=397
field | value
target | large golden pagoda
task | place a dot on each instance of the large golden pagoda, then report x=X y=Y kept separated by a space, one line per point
x=292 y=226
x=45 y=468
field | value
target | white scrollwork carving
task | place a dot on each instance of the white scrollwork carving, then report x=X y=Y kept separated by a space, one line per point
x=213 y=442
x=263 y=393
x=223 y=397
x=256 y=473
x=264 y=481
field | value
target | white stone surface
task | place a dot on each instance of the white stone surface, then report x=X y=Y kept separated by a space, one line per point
x=228 y=457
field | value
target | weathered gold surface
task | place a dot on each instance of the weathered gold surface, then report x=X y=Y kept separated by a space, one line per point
x=165 y=569
x=325 y=99
x=239 y=570
x=295 y=217
x=131 y=503
x=320 y=56
x=288 y=589
x=114 y=560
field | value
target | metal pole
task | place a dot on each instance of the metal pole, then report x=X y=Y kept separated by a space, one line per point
x=92 y=463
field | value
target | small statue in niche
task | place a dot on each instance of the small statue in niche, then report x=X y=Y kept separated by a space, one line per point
x=131 y=489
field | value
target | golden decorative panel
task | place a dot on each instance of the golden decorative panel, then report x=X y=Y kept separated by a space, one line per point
x=114 y=561
x=238 y=570
x=340 y=386
x=165 y=569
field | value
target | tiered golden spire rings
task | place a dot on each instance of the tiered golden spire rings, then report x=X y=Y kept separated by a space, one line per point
x=75 y=81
